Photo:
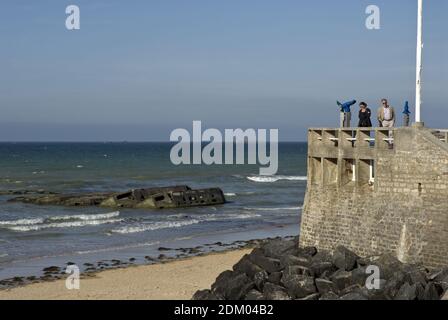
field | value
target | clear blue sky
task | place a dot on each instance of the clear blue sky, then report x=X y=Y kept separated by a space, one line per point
x=139 y=69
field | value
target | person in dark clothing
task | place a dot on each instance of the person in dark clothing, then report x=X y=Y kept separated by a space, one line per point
x=364 y=116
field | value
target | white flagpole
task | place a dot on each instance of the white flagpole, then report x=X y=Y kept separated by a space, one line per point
x=418 y=91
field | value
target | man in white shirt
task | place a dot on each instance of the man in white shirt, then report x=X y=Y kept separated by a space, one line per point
x=386 y=115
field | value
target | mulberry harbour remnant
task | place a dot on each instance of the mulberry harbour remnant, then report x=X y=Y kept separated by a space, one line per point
x=152 y=198
x=378 y=191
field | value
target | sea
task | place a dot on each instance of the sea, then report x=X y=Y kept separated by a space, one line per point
x=33 y=237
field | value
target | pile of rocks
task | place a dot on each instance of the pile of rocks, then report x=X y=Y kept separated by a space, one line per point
x=280 y=270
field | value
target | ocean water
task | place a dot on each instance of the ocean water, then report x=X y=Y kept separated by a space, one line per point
x=32 y=237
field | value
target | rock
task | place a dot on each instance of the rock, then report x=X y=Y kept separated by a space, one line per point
x=353 y=296
x=407 y=292
x=314 y=296
x=275 y=278
x=254 y=295
x=324 y=286
x=319 y=268
x=290 y=260
x=445 y=296
x=232 y=286
x=329 y=296
x=430 y=293
x=299 y=286
x=274 y=292
x=219 y=287
x=353 y=288
x=277 y=248
x=52 y=269
x=307 y=252
x=359 y=275
x=260 y=278
x=439 y=275
x=443 y=284
x=388 y=265
x=298 y=270
x=204 y=295
x=393 y=285
x=415 y=275
x=344 y=259
x=342 y=279
x=375 y=294
x=245 y=265
x=164 y=249
x=322 y=256
x=269 y=264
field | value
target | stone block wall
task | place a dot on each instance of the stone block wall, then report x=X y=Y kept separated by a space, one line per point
x=403 y=212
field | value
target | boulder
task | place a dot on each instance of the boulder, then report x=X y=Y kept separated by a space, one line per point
x=307 y=251
x=314 y=296
x=266 y=263
x=290 y=260
x=388 y=265
x=204 y=295
x=445 y=296
x=245 y=265
x=344 y=259
x=375 y=294
x=319 y=268
x=342 y=279
x=275 y=292
x=324 y=286
x=254 y=295
x=430 y=293
x=299 y=286
x=353 y=296
x=275 y=278
x=329 y=296
x=407 y=292
x=260 y=278
x=278 y=247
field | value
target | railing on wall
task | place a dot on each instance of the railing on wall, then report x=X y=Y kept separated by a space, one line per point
x=441 y=134
x=354 y=137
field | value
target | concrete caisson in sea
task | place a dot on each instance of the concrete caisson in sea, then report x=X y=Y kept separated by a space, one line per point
x=153 y=198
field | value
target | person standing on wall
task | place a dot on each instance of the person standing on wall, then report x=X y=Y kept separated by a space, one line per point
x=386 y=115
x=364 y=116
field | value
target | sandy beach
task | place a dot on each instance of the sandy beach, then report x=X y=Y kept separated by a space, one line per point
x=176 y=280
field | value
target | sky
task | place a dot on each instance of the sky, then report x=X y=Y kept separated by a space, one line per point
x=136 y=70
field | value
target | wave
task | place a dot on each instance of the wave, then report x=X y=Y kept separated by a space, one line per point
x=230 y=194
x=273 y=209
x=276 y=178
x=86 y=217
x=72 y=224
x=21 y=222
x=178 y=224
x=66 y=221
x=138 y=245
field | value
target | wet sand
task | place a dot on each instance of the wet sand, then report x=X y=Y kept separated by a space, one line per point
x=177 y=280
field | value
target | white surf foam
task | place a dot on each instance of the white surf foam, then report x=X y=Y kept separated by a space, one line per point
x=178 y=224
x=230 y=194
x=266 y=179
x=86 y=217
x=21 y=222
x=72 y=224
